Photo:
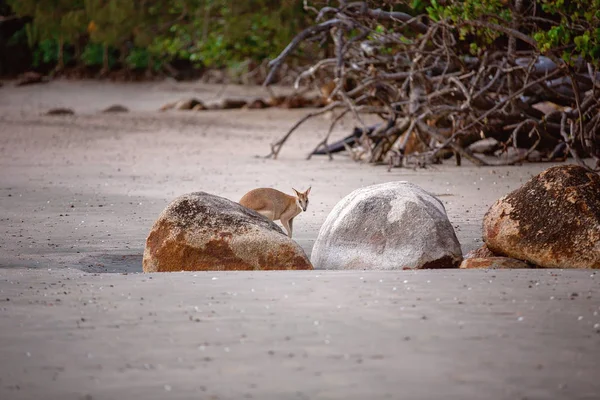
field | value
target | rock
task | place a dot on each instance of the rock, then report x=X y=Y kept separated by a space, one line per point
x=202 y=232
x=494 y=263
x=29 y=78
x=482 y=252
x=257 y=104
x=511 y=152
x=199 y=107
x=168 y=106
x=485 y=146
x=276 y=101
x=116 y=108
x=552 y=221
x=186 y=104
x=390 y=226
x=229 y=104
x=59 y=111
x=296 y=101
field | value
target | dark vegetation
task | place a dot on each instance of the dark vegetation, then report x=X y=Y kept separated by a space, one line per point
x=441 y=74
x=181 y=38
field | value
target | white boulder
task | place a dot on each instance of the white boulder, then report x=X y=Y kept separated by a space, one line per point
x=390 y=226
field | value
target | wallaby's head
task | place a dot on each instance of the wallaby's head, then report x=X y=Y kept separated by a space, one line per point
x=302 y=198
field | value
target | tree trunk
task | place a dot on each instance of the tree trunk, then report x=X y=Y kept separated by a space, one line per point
x=77 y=46
x=205 y=24
x=105 y=66
x=149 y=66
x=61 y=54
x=123 y=55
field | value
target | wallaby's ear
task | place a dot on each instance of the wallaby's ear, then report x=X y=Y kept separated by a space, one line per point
x=307 y=191
x=297 y=192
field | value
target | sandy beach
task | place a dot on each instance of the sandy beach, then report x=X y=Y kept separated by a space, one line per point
x=78 y=319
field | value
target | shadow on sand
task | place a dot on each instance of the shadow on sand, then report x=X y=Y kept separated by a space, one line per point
x=111 y=263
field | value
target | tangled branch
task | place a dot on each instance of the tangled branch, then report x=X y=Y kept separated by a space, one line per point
x=436 y=100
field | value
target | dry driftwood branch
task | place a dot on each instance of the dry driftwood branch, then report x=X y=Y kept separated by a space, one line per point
x=308 y=32
x=416 y=73
x=276 y=147
x=323 y=143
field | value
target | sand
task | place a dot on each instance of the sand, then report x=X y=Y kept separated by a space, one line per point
x=78 y=195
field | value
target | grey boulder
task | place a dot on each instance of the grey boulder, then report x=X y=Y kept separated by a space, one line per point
x=390 y=226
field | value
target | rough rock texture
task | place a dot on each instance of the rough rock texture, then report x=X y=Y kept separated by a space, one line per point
x=481 y=252
x=186 y=104
x=494 y=263
x=257 y=104
x=200 y=231
x=394 y=225
x=552 y=221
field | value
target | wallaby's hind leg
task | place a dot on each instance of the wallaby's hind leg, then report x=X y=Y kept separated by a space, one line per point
x=287 y=224
x=267 y=213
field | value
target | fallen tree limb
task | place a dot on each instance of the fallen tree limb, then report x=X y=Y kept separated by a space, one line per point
x=418 y=73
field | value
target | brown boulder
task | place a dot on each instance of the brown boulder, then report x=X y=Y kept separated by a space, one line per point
x=494 y=263
x=199 y=107
x=116 y=108
x=552 y=221
x=186 y=104
x=229 y=104
x=257 y=104
x=59 y=111
x=481 y=252
x=276 y=101
x=202 y=232
x=168 y=106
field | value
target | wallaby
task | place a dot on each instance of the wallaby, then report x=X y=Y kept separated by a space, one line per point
x=277 y=205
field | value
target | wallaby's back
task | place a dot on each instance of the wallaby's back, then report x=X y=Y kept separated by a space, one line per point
x=267 y=199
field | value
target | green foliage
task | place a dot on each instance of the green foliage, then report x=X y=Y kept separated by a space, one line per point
x=567 y=29
x=45 y=53
x=492 y=11
x=214 y=33
x=138 y=59
x=227 y=33
x=93 y=55
x=577 y=31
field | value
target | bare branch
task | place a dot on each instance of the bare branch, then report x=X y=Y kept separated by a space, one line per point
x=308 y=32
